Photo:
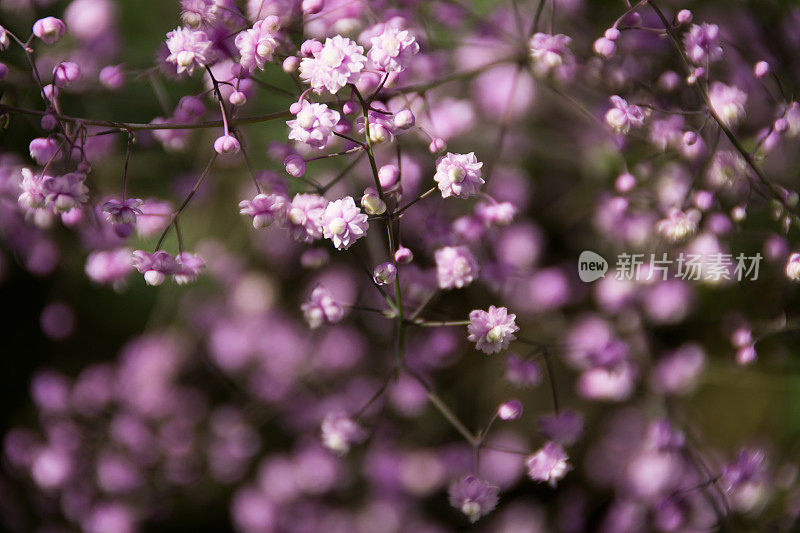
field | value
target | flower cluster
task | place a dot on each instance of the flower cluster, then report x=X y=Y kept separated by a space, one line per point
x=414 y=171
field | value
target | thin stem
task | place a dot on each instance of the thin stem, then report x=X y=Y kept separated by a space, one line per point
x=415 y=200
x=426 y=324
x=550 y=375
x=375 y=396
x=341 y=174
x=187 y=199
x=446 y=412
x=131 y=139
x=136 y=127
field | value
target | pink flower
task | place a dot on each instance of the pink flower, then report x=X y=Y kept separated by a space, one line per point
x=257 y=45
x=109 y=267
x=727 y=102
x=198 y=12
x=155 y=267
x=65 y=192
x=344 y=223
x=623 y=115
x=473 y=496
x=338 y=62
x=548 y=464
x=392 y=50
x=459 y=175
x=188 y=267
x=33 y=193
x=491 y=330
x=339 y=432
x=702 y=44
x=678 y=225
x=496 y=213
x=264 y=208
x=304 y=217
x=456 y=267
x=322 y=307
x=792 y=268
x=313 y=124
x=551 y=56
x=122 y=215
x=188 y=49
x=123 y=212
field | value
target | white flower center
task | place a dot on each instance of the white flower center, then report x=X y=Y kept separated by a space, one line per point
x=297 y=216
x=495 y=334
x=306 y=118
x=185 y=58
x=461 y=267
x=457 y=174
x=392 y=46
x=471 y=508
x=337 y=226
x=264 y=49
x=331 y=57
x=552 y=59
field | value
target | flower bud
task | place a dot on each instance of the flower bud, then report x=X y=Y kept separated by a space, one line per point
x=50 y=91
x=344 y=126
x=605 y=47
x=510 y=410
x=66 y=73
x=154 y=278
x=312 y=7
x=612 y=34
x=403 y=255
x=689 y=138
x=295 y=165
x=387 y=175
x=437 y=145
x=703 y=200
x=625 y=182
x=378 y=133
x=633 y=19
x=49 y=29
x=290 y=64
x=405 y=119
x=112 y=77
x=237 y=98
x=349 y=107
x=761 y=69
x=226 y=145
x=746 y=355
x=684 y=16
x=372 y=203
x=49 y=122
x=384 y=274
